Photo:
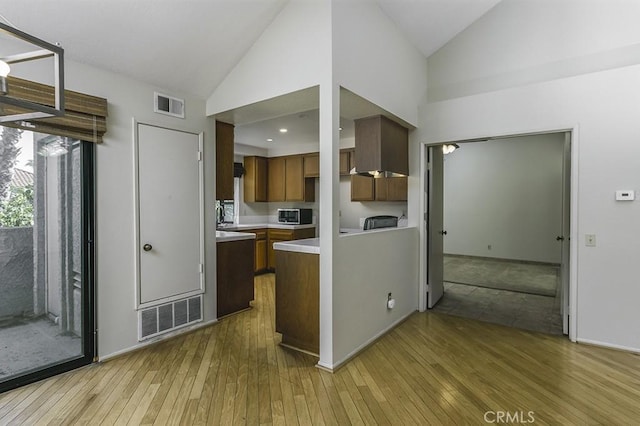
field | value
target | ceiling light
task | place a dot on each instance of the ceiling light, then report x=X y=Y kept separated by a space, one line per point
x=340 y=128
x=269 y=140
x=449 y=148
x=25 y=108
x=283 y=130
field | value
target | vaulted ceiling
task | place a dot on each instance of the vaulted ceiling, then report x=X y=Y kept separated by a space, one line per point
x=189 y=46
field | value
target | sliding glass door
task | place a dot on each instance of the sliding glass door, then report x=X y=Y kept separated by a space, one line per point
x=46 y=256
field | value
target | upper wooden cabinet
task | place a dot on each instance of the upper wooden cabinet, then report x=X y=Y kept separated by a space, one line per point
x=255 y=179
x=294 y=178
x=362 y=188
x=347 y=160
x=224 y=161
x=276 y=179
x=365 y=188
x=279 y=178
x=391 y=189
x=287 y=181
x=312 y=165
x=381 y=144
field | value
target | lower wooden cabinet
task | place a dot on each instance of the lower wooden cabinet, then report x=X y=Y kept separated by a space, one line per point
x=261 y=250
x=234 y=276
x=277 y=235
x=297 y=300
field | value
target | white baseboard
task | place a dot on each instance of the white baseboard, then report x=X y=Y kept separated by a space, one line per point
x=363 y=346
x=609 y=345
x=155 y=340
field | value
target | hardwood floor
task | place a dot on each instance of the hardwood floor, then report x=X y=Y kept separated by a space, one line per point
x=432 y=369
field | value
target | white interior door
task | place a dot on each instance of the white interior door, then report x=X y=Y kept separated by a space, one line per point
x=565 y=237
x=170 y=214
x=435 y=226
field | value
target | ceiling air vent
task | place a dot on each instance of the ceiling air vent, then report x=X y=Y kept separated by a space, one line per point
x=168 y=105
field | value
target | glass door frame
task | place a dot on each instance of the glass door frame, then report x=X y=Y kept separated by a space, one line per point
x=89 y=342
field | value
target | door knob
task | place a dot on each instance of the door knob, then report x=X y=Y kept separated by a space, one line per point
x=147 y=247
x=559 y=238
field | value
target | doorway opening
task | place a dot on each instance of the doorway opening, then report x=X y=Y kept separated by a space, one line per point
x=498 y=226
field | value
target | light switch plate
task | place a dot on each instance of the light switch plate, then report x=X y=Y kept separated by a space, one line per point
x=590 y=240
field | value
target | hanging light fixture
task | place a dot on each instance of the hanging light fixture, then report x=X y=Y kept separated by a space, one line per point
x=21 y=108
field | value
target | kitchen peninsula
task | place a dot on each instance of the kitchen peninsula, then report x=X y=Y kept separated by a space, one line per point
x=298 y=294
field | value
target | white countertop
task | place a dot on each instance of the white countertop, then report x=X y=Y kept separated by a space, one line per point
x=309 y=245
x=244 y=226
x=226 y=236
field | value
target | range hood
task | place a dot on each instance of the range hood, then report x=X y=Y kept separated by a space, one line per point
x=382 y=147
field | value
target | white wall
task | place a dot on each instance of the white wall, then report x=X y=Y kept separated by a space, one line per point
x=290 y=55
x=602 y=108
x=373 y=60
x=379 y=263
x=115 y=248
x=506 y=194
x=527 y=41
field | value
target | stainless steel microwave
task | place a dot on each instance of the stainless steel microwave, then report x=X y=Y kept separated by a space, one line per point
x=295 y=216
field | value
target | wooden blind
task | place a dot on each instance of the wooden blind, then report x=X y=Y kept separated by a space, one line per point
x=85 y=115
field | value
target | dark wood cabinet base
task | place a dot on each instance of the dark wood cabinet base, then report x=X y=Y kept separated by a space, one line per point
x=235 y=276
x=298 y=300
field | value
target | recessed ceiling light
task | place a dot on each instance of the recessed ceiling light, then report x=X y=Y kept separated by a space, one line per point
x=283 y=130
x=269 y=140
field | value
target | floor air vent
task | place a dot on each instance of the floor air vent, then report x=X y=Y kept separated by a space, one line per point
x=170 y=316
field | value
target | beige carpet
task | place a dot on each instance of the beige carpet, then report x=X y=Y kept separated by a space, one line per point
x=532 y=278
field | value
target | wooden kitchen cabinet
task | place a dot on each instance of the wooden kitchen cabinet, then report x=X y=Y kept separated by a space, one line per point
x=261 y=250
x=294 y=178
x=347 y=161
x=235 y=270
x=390 y=189
x=287 y=181
x=276 y=179
x=224 y=161
x=255 y=179
x=278 y=235
x=362 y=188
x=365 y=188
x=298 y=300
x=312 y=165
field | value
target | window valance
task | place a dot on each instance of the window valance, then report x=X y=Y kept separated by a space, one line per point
x=85 y=115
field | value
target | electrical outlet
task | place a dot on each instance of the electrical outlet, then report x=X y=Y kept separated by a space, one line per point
x=590 y=240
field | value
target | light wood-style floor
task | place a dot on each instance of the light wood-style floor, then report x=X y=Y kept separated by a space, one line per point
x=432 y=369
